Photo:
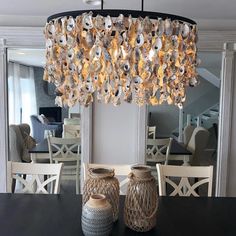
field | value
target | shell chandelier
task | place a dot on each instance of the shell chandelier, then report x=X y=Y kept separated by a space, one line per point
x=141 y=57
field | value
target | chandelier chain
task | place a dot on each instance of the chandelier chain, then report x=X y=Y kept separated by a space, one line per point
x=142 y=4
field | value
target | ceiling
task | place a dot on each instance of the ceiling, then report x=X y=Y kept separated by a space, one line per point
x=29 y=57
x=213 y=13
x=207 y=13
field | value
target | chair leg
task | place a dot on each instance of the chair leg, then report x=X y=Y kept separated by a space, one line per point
x=13 y=186
x=77 y=184
x=197 y=189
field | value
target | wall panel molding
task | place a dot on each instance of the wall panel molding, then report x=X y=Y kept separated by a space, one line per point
x=3 y=118
x=225 y=140
x=214 y=40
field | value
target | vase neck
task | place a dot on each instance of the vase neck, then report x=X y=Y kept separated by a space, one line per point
x=141 y=171
x=97 y=200
x=101 y=173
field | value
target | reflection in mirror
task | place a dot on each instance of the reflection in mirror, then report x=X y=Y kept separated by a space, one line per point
x=196 y=126
x=33 y=115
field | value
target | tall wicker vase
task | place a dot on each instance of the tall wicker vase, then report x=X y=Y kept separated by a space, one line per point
x=141 y=200
x=102 y=181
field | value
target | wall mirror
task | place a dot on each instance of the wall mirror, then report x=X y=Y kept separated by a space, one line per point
x=200 y=112
x=32 y=113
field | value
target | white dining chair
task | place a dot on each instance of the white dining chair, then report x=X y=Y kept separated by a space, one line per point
x=71 y=131
x=67 y=151
x=158 y=150
x=121 y=172
x=151 y=131
x=182 y=185
x=35 y=173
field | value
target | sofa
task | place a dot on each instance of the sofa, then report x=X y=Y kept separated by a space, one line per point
x=39 y=126
x=18 y=147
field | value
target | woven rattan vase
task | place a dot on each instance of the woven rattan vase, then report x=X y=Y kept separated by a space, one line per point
x=141 y=200
x=102 y=181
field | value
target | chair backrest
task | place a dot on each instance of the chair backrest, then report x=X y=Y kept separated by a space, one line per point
x=198 y=143
x=184 y=173
x=187 y=133
x=121 y=172
x=67 y=151
x=71 y=131
x=35 y=172
x=158 y=150
x=151 y=132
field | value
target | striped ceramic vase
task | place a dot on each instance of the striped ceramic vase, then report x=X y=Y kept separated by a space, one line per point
x=97 y=217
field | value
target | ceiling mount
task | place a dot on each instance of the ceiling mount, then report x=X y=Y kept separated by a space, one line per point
x=93 y=2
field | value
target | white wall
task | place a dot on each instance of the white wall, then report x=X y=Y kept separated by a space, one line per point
x=115 y=133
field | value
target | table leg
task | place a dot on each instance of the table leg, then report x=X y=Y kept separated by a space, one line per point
x=186 y=160
x=33 y=157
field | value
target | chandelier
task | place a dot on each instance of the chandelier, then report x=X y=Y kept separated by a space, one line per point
x=135 y=56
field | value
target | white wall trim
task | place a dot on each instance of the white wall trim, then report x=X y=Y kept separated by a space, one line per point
x=17 y=37
x=225 y=118
x=214 y=40
x=3 y=118
x=86 y=134
x=141 y=134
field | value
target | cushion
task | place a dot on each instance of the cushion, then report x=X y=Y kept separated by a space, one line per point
x=29 y=143
x=42 y=118
x=72 y=121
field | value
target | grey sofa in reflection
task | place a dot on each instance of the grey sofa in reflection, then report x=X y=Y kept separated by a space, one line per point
x=38 y=128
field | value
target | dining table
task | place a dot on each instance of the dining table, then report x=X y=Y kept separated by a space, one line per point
x=178 y=152
x=42 y=215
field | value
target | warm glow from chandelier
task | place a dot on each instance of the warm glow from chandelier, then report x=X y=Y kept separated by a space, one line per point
x=139 y=59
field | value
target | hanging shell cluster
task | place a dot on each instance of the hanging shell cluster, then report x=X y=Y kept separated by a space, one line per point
x=141 y=60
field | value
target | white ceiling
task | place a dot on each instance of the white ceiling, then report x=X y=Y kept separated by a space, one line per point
x=216 y=13
x=29 y=57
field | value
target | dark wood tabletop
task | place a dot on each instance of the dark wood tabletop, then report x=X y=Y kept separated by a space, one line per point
x=176 y=148
x=42 y=215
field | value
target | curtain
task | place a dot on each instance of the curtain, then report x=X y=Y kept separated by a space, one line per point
x=21 y=93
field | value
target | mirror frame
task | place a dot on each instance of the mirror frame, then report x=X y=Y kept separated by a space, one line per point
x=210 y=41
x=29 y=37
x=32 y=37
